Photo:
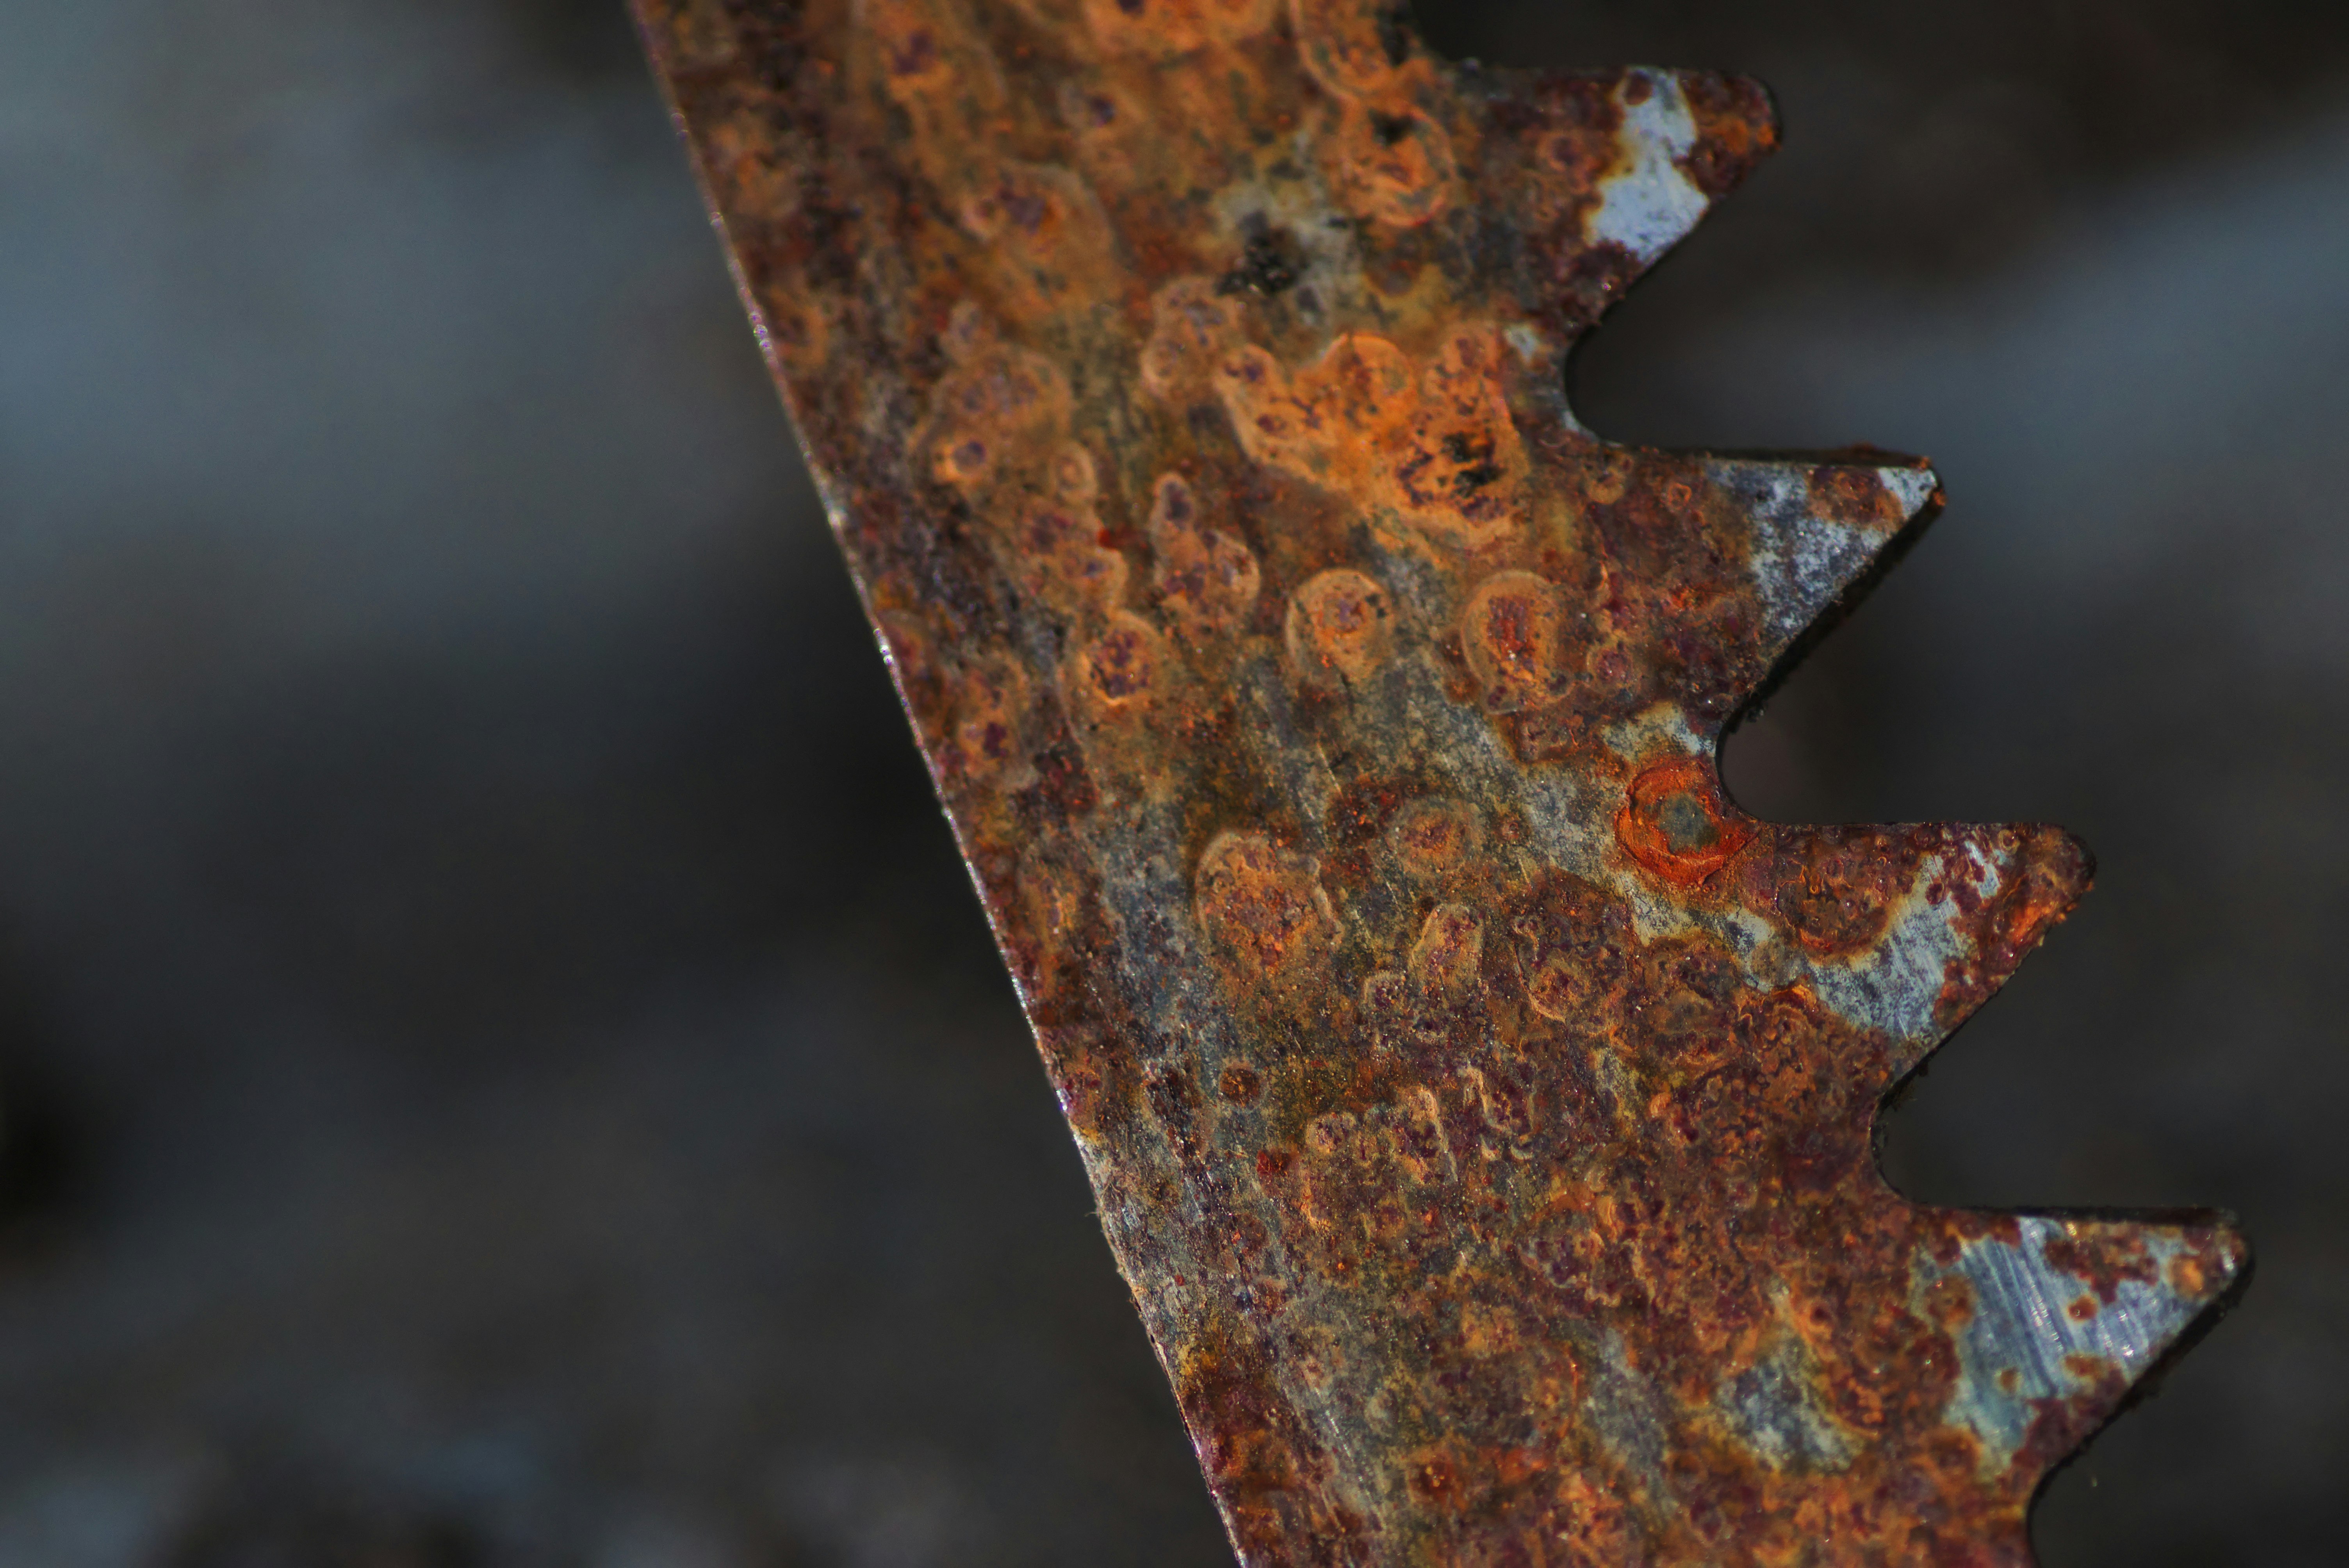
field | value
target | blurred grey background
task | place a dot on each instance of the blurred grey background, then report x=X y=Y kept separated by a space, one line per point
x=498 y=1062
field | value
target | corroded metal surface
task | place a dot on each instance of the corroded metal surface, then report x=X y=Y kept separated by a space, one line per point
x=1479 y=1103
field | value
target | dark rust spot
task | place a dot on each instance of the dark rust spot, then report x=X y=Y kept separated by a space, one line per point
x=1119 y=664
x=1238 y=1083
x=1271 y=265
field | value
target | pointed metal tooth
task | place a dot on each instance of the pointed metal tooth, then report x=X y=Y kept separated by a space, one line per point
x=2056 y=1317
x=1975 y=902
x=1819 y=528
x=1649 y=203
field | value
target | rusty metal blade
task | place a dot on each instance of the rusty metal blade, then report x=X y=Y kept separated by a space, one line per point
x=1480 y=1104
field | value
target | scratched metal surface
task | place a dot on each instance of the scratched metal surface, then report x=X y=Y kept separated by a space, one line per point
x=1479 y=1103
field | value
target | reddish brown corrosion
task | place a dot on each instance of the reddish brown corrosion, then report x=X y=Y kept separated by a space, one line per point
x=1674 y=823
x=1479 y=1103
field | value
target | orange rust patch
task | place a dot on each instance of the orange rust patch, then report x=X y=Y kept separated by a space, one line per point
x=1340 y=621
x=1434 y=1480
x=1562 y=990
x=1428 y=439
x=1451 y=947
x=1192 y=329
x=1513 y=634
x=1432 y=837
x=1122 y=662
x=987 y=733
x=1206 y=579
x=1262 y=904
x=1674 y=823
x=1163 y=29
x=1392 y=167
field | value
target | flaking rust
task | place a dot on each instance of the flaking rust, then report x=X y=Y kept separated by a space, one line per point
x=1479 y=1103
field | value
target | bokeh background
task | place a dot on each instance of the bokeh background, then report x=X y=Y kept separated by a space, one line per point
x=499 y=1065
